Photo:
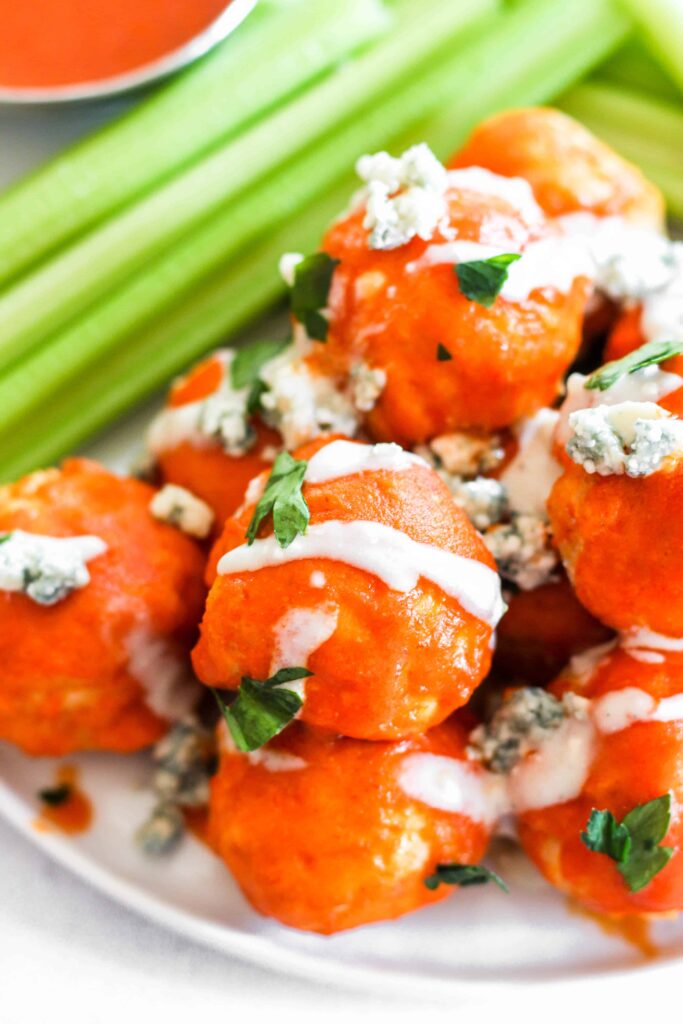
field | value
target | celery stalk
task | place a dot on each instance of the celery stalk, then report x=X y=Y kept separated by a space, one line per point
x=620 y=116
x=278 y=50
x=221 y=305
x=168 y=330
x=541 y=48
x=633 y=67
x=31 y=381
x=661 y=22
x=58 y=292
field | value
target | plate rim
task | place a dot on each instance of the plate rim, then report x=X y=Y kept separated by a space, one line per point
x=264 y=952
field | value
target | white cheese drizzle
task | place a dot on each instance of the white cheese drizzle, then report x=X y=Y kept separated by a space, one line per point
x=459 y=787
x=557 y=771
x=344 y=458
x=549 y=263
x=646 y=645
x=169 y=688
x=384 y=552
x=297 y=635
x=529 y=476
x=517 y=192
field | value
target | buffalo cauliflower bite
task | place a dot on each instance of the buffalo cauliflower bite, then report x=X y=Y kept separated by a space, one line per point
x=633 y=715
x=98 y=603
x=568 y=168
x=326 y=833
x=615 y=515
x=205 y=441
x=398 y=300
x=389 y=598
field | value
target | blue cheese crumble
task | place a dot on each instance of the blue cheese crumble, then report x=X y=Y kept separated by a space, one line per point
x=523 y=551
x=631 y=438
x=179 y=507
x=484 y=500
x=405 y=197
x=221 y=417
x=522 y=724
x=46 y=569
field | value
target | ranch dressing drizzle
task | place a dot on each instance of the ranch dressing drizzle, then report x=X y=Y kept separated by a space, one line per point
x=553 y=262
x=344 y=458
x=297 y=634
x=448 y=784
x=529 y=476
x=557 y=771
x=384 y=552
x=619 y=709
x=517 y=192
x=645 y=645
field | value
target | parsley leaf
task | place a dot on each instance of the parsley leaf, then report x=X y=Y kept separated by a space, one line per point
x=55 y=796
x=650 y=354
x=634 y=843
x=262 y=708
x=247 y=365
x=482 y=280
x=605 y=835
x=463 y=875
x=648 y=824
x=283 y=498
x=309 y=293
x=442 y=354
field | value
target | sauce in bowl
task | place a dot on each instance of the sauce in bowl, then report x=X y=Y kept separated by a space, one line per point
x=55 y=43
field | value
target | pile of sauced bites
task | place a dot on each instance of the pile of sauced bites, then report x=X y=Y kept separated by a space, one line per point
x=410 y=497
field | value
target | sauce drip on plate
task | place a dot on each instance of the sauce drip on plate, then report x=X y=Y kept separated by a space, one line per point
x=65 y=806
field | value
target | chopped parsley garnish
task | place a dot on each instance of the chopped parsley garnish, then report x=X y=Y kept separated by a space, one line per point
x=4 y=537
x=634 y=842
x=283 y=499
x=55 y=796
x=442 y=354
x=309 y=293
x=482 y=280
x=650 y=354
x=463 y=875
x=262 y=708
x=247 y=365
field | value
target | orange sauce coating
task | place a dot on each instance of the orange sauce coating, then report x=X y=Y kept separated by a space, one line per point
x=568 y=168
x=337 y=843
x=207 y=471
x=392 y=311
x=540 y=632
x=603 y=528
x=397 y=663
x=64 y=679
x=630 y=767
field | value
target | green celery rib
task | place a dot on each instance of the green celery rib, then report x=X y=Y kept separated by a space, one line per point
x=619 y=115
x=633 y=67
x=545 y=47
x=117 y=375
x=63 y=288
x=31 y=382
x=661 y=22
x=182 y=121
x=223 y=304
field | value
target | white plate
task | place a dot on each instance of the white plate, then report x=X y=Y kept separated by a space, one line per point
x=477 y=938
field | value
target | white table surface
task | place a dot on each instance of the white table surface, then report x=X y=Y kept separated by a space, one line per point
x=67 y=953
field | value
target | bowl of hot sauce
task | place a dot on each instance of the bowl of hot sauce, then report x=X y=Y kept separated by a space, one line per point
x=58 y=50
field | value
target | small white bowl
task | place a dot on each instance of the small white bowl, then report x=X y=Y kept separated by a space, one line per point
x=234 y=13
